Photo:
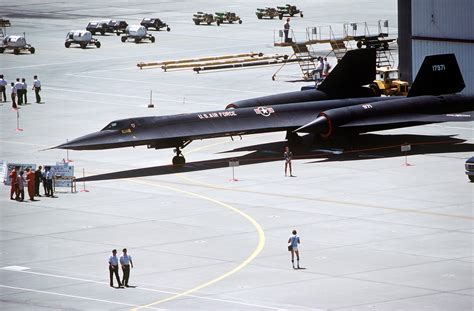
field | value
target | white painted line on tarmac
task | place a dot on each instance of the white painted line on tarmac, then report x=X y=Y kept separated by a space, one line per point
x=70 y=296
x=15 y=268
x=136 y=288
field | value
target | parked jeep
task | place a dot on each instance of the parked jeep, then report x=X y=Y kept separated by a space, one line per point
x=154 y=23
x=116 y=26
x=205 y=18
x=81 y=37
x=227 y=17
x=138 y=33
x=17 y=44
x=100 y=27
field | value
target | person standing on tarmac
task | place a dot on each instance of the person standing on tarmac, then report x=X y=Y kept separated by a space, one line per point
x=38 y=179
x=3 y=88
x=25 y=90
x=13 y=96
x=288 y=156
x=126 y=263
x=30 y=180
x=113 y=269
x=19 y=91
x=286 y=30
x=20 y=184
x=37 y=88
x=14 y=189
x=293 y=242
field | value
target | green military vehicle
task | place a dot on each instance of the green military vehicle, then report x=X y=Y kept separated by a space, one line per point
x=288 y=10
x=267 y=13
x=205 y=18
x=227 y=17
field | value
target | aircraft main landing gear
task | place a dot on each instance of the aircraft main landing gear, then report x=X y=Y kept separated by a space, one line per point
x=178 y=159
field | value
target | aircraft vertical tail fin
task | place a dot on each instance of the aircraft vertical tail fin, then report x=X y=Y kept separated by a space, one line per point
x=438 y=74
x=355 y=69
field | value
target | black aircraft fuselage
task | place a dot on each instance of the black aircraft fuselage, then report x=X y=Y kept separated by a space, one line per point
x=430 y=100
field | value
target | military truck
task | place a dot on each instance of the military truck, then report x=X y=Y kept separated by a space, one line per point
x=205 y=18
x=288 y=10
x=267 y=13
x=17 y=44
x=81 y=37
x=137 y=33
x=154 y=23
x=227 y=17
x=388 y=83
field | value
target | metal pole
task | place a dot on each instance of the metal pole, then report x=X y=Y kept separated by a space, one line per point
x=84 y=183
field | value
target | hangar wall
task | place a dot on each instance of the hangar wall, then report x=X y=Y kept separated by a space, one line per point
x=444 y=26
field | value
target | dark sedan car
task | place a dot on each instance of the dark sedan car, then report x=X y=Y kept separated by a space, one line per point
x=154 y=23
x=470 y=168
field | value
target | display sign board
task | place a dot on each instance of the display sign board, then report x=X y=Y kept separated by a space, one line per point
x=63 y=174
x=233 y=163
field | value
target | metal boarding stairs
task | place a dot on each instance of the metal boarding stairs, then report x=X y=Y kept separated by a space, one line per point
x=303 y=54
x=325 y=34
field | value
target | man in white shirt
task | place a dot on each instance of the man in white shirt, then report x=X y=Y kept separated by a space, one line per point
x=113 y=268
x=13 y=96
x=3 y=88
x=19 y=91
x=126 y=263
x=25 y=90
x=37 y=88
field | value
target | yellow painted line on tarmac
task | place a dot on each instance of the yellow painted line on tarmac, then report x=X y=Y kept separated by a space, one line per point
x=290 y=196
x=255 y=253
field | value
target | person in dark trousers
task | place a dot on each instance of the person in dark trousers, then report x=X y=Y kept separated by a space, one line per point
x=19 y=91
x=48 y=176
x=113 y=269
x=126 y=263
x=286 y=30
x=25 y=90
x=3 y=89
x=288 y=156
x=20 y=184
x=13 y=96
x=293 y=242
x=37 y=89
x=38 y=179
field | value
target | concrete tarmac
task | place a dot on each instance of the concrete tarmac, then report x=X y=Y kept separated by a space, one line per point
x=375 y=234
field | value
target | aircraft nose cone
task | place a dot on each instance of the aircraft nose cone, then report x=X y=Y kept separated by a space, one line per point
x=87 y=142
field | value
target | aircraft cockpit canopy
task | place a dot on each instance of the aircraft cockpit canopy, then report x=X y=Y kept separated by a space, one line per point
x=120 y=125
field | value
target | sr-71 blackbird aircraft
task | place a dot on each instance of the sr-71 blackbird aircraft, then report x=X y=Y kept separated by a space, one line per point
x=431 y=99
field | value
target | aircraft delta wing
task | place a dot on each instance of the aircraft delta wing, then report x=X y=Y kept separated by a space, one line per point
x=326 y=118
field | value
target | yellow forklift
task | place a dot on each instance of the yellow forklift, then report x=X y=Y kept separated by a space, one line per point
x=388 y=83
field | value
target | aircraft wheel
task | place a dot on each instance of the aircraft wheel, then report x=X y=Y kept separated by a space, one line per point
x=471 y=178
x=374 y=87
x=179 y=160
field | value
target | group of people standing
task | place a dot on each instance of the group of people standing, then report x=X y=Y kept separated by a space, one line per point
x=126 y=263
x=19 y=90
x=31 y=179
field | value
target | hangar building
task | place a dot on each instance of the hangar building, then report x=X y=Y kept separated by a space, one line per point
x=429 y=27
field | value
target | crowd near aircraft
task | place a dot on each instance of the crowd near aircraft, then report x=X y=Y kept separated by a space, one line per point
x=341 y=105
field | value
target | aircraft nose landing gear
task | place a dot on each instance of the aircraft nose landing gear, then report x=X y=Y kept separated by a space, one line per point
x=178 y=159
